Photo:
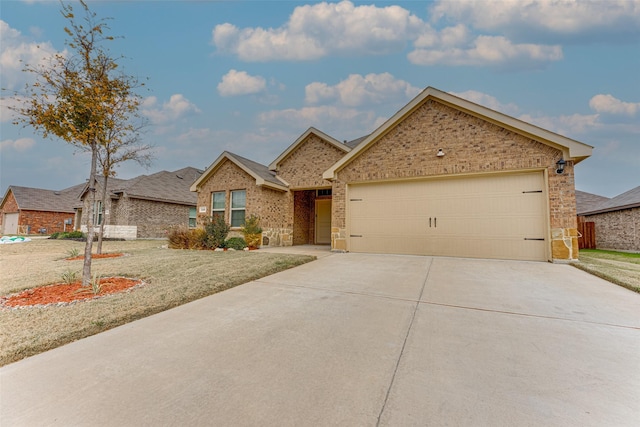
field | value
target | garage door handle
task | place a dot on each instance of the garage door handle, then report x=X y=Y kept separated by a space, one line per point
x=429 y=222
x=435 y=222
x=532 y=238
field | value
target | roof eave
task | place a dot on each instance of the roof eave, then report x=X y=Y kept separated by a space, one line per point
x=571 y=149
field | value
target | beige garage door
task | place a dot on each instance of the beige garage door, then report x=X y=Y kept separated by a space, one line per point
x=492 y=216
x=10 y=223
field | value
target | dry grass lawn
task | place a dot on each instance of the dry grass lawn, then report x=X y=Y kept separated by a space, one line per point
x=621 y=268
x=173 y=277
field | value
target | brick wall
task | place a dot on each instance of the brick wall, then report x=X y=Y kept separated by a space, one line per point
x=471 y=145
x=151 y=218
x=303 y=168
x=618 y=230
x=52 y=222
x=33 y=221
x=275 y=208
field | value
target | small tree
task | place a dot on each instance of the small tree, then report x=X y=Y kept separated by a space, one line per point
x=252 y=231
x=217 y=231
x=121 y=144
x=75 y=98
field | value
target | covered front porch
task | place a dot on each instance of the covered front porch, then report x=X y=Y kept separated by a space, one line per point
x=312 y=217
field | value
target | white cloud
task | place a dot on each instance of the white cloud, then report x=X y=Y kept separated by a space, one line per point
x=16 y=51
x=315 y=31
x=485 y=50
x=178 y=106
x=544 y=19
x=358 y=90
x=566 y=125
x=22 y=144
x=487 y=101
x=240 y=83
x=611 y=105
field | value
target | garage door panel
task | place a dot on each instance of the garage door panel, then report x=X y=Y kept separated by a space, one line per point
x=497 y=216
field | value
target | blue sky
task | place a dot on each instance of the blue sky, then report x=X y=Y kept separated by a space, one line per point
x=251 y=76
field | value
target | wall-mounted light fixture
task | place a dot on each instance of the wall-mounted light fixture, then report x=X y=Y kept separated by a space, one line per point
x=440 y=153
x=560 y=166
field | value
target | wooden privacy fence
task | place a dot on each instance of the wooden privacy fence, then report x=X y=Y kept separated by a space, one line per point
x=587 y=236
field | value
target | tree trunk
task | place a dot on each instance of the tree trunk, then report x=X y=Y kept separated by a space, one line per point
x=102 y=205
x=86 y=267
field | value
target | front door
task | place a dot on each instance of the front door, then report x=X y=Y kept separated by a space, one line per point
x=323 y=221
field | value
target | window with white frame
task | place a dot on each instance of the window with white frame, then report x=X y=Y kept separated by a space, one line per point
x=97 y=212
x=192 y=217
x=217 y=204
x=238 y=205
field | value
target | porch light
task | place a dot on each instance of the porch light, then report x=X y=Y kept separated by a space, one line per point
x=440 y=153
x=560 y=166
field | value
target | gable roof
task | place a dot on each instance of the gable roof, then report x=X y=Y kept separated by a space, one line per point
x=39 y=199
x=339 y=145
x=627 y=200
x=571 y=149
x=164 y=186
x=261 y=173
x=586 y=202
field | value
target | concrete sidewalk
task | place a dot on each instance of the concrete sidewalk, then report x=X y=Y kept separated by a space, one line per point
x=356 y=340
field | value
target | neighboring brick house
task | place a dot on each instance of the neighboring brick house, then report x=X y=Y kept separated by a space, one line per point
x=443 y=176
x=145 y=206
x=617 y=220
x=26 y=210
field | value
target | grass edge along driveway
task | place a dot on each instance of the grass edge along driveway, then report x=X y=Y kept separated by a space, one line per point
x=172 y=277
x=621 y=268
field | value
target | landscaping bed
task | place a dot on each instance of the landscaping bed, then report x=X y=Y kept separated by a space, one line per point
x=621 y=268
x=171 y=278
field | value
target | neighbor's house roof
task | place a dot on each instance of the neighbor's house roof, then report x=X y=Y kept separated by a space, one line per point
x=261 y=173
x=163 y=186
x=39 y=199
x=339 y=145
x=628 y=200
x=571 y=149
x=586 y=202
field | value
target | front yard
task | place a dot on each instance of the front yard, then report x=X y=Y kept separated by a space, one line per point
x=172 y=277
x=621 y=268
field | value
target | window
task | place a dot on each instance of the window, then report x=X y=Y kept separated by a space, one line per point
x=217 y=204
x=192 y=217
x=97 y=212
x=323 y=192
x=238 y=203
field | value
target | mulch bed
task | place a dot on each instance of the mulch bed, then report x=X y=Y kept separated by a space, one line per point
x=64 y=294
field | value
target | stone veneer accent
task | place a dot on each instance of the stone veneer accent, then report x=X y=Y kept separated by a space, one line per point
x=619 y=230
x=472 y=145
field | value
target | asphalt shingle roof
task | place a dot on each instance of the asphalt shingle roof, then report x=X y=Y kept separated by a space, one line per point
x=586 y=202
x=259 y=169
x=162 y=186
x=38 y=199
x=627 y=200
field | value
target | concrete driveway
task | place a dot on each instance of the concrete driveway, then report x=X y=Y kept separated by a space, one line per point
x=356 y=340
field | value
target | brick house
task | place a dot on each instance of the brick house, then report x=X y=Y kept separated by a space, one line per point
x=617 y=220
x=145 y=206
x=443 y=176
x=26 y=210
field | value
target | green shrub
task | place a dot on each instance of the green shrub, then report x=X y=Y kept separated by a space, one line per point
x=55 y=235
x=252 y=231
x=68 y=235
x=237 y=243
x=217 y=231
